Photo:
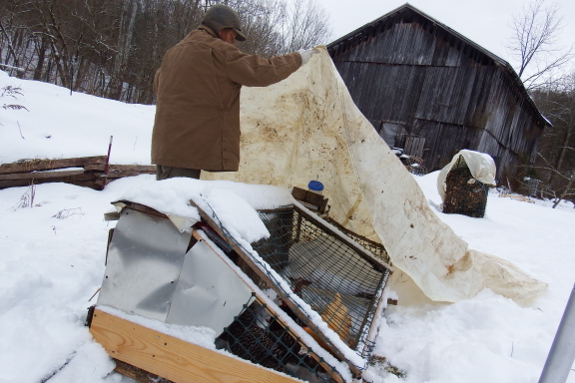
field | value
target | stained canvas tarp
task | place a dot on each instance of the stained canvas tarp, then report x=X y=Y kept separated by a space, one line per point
x=308 y=128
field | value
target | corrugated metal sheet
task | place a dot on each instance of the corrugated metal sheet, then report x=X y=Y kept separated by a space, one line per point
x=409 y=70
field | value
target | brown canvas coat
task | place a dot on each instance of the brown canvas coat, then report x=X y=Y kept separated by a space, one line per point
x=197 y=123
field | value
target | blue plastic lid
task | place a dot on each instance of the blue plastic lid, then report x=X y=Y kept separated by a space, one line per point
x=315 y=186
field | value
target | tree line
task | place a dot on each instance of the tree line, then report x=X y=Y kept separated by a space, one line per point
x=555 y=162
x=543 y=66
x=112 y=48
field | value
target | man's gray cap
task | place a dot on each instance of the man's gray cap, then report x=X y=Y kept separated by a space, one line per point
x=221 y=16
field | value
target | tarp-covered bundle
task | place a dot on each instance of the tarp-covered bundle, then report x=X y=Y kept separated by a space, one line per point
x=308 y=128
x=464 y=182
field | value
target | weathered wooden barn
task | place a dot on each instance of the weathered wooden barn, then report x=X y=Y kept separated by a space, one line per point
x=430 y=90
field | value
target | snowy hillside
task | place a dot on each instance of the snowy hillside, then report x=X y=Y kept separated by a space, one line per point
x=52 y=251
x=56 y=124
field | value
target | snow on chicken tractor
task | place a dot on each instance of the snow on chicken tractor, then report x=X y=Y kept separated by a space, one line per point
x=300 y=302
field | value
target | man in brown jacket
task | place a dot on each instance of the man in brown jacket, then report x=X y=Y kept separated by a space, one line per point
x=197 y=124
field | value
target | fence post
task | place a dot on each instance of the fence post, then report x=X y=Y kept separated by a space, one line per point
x=48 y=71
x=71 y=77
x=562 y=353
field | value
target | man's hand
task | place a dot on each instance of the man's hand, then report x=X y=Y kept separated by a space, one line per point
x=306 y=54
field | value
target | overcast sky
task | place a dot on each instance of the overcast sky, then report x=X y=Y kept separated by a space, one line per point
x=486 y=22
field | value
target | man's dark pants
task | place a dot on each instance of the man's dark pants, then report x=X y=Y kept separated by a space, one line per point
x=163 y=172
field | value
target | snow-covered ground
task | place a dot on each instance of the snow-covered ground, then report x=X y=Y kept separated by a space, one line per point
x=52 y=261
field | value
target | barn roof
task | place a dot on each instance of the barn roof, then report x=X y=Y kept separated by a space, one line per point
x=399 y=14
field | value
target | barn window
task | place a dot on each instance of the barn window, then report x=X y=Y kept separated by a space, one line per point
x=389 y=131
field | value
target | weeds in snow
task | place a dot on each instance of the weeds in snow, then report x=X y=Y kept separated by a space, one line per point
x=63 y=214
x=10 y=91
x=27 y=199
x=380 y=362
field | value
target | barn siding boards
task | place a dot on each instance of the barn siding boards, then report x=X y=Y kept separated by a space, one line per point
x=408 y=69
x=441 y=138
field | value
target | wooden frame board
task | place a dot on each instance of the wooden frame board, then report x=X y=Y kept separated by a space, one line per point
x=172 y=358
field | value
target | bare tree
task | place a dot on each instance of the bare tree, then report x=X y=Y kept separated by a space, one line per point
x=276 y=27
x=126 y=31
x=261 y=21
x=556 y=158
x=112 y=48
x=159 y=26
x=534 y=43
x=306 y=26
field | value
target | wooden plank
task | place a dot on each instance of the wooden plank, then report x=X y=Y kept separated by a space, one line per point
x=127 y=169
x=266 y=278
x=172 y=358
x=373 y=327
x=119 y=171
x=40 y=175
x=48 y=164
x=91 y=176
x=135 y=168
x=315 y=200
x=86 y=179
x=138 y=374
x=298 y=193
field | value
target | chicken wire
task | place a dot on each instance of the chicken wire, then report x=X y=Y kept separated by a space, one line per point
x=375 y=248
x=258 y=336
x=331 y=274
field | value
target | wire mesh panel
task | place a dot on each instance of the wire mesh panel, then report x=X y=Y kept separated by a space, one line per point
x=257 y=335
x=327 y=272
x=375 y=248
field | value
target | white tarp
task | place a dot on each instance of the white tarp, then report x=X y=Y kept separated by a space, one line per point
x=308 y=128
x=481 y=166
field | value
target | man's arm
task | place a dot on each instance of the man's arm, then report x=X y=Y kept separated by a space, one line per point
x=254 y=70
